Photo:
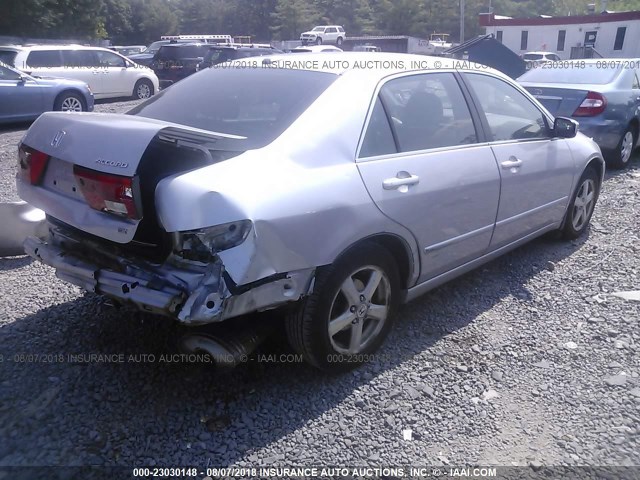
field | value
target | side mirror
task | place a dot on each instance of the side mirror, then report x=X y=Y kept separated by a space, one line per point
x=565 y=127
x=22 y=79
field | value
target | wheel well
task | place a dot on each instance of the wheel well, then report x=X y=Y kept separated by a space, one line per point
x=596 y=164
x=70 y=90
x=398 y=249
x=635 y=126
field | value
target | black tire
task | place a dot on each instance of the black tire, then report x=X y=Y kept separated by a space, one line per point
x=308 y=324
x=339 y=42
x=66 y=101
x=143 y=89
x=576 y=222
x=620 y=158
x=318 y=41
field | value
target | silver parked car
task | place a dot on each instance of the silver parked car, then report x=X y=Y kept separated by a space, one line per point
x=602 y=95
x=204 y=207
x=23 y=97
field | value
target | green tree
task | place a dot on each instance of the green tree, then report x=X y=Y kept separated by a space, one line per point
x=292 y=17
x=116 y=17
x=151 y=19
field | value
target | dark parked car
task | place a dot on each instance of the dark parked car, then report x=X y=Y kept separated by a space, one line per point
x=176 y=61
x=225 y=53
x=23 y=97
x=146 y=57
x=602 y=95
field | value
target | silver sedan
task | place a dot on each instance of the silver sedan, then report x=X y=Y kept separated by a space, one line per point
x=336 y=186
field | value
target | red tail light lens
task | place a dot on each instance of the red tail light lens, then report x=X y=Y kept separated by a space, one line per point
x=109 y=193
x=593 y=104
x=31 y=164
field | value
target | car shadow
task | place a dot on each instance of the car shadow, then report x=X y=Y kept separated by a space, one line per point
x=106 y=101
x=14 y=127
x=99 y=405
x=12 y=263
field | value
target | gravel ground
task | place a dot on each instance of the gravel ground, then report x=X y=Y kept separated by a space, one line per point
x=527 y=361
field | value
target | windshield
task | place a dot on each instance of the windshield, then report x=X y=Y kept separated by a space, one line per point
x=235 y=106
x=318 y=29
x=533 y=56
x=589 y=73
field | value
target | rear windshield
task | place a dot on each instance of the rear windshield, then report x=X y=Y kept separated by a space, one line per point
x=168 y=52
x=7 y=57
x=235 y=106
x=589 y=73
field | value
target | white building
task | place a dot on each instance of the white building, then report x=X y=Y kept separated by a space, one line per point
x=612 y=35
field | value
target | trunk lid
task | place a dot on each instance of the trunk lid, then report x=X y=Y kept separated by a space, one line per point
x=115 y=145
x=559 y=100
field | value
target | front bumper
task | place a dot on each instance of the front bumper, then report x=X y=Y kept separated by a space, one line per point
x=204 y=294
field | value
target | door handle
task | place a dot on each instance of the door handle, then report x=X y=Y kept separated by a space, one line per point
x=513 y=162
x=402 y=179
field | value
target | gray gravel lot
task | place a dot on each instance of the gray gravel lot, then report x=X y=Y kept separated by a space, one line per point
x=529 y=360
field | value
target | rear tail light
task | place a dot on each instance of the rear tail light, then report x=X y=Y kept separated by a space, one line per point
x=593 y=104
x=31 y=164
x=113 y=194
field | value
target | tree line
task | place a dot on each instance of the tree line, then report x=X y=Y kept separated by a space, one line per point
x=143 y=21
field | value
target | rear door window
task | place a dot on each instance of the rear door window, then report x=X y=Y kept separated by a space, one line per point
x=108 y=59
x=378 y=139
x=79 y=58
x=44 y=58
x=428 y=111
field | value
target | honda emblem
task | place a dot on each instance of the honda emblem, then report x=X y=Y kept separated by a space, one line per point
x=58 y=138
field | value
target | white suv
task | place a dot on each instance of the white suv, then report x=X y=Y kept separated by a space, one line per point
x=324 y=34
x=107 y=73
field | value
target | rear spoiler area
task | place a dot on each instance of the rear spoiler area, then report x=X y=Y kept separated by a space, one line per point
x=113 y=143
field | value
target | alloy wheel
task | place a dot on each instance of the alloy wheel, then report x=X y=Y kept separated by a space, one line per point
x=144 y=91
x=71 y=104
x=626 y=147
x=583 y=204
x=359 y=310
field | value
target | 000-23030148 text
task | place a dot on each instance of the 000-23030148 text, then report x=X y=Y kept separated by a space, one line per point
x=315 y=472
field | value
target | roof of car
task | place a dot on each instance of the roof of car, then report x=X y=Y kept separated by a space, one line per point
x=317 y=48
x=190 y=44
x=235 y=46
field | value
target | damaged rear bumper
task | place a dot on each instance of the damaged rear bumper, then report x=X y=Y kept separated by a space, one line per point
x=204 y=294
